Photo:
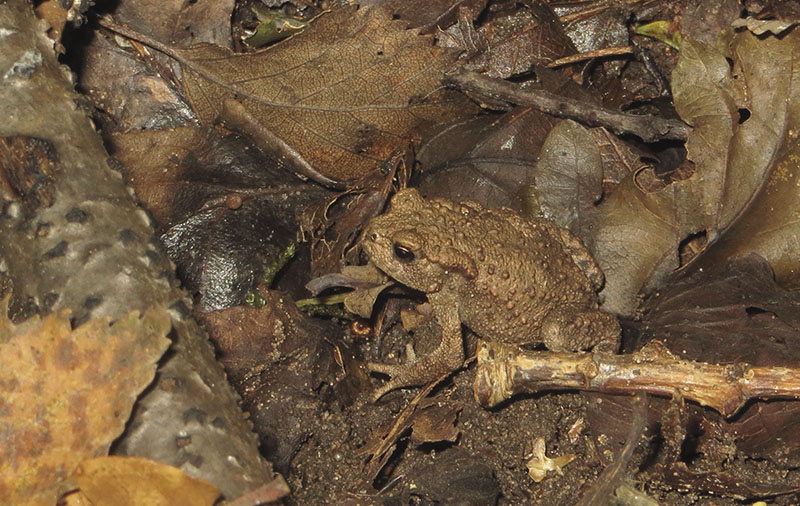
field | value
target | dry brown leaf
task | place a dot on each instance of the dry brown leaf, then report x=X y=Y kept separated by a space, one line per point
x=179 y=22
x=68 y=393
x=344 y=93
x=523 y=40
x=741 y=191
x=135 y=481
x=435 y=421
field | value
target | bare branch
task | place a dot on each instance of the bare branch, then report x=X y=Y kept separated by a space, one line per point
x=648 y=128
x=504 y=371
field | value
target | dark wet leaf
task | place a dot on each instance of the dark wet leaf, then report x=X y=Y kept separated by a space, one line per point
x=487 y=159
x=430 y=15
x=698 y=455
x=731 y=314
x=521 y=40
x=497 y=160
x=136 y=95
x=734 y=312
x=457 y=477
x=277 y=358
x=179 y=22
x=769 y=430
x=250 y=339
x=219 y=212
x=737 y=313
x=128 y=93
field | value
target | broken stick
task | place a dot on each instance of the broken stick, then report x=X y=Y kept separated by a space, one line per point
x=504 y=371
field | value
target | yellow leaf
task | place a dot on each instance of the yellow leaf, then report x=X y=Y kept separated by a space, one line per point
x=66 y=394
x=135 y=481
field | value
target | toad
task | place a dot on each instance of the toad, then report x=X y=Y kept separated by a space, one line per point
x=507 y=278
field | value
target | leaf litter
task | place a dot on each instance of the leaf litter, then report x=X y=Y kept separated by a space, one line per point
x=335 y=101
x=739 y=162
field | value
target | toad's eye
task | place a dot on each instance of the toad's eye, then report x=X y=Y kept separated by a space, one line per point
x=403 y=252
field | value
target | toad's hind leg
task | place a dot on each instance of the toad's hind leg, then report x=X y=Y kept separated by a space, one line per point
x=417 y=370
x=568 y=328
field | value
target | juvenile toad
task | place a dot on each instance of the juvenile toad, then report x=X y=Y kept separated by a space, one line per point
x=507 y=278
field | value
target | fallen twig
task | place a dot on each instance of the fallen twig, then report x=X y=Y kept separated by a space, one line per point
x=504 y=371
x=589 y=55
x=648 y=128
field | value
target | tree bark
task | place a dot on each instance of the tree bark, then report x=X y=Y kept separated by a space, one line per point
x=72 y=236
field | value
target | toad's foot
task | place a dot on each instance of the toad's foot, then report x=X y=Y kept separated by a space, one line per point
x=416 y=371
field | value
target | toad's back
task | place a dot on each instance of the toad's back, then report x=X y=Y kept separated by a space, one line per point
x=523 y=268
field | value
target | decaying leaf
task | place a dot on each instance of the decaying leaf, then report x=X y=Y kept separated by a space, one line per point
x=489 y=159
x=361 y=301
x=732 y=314
x=130 y=95
x=181 y=172
x=68 y=393
x=737 y=313
x=430 y=15
x=522 y=40
x=276 y=357
x=436 y=421
x=740 y=182
x=766 y=144
x=136 y=94
x=135 y=480
x=334 y=224
x=344 y=93
x=569 y=178
x=367 y=280
x=520 y=160
x=179 y=22
x=762 y=26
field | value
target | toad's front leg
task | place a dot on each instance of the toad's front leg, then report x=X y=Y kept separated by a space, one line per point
x=446 y=358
